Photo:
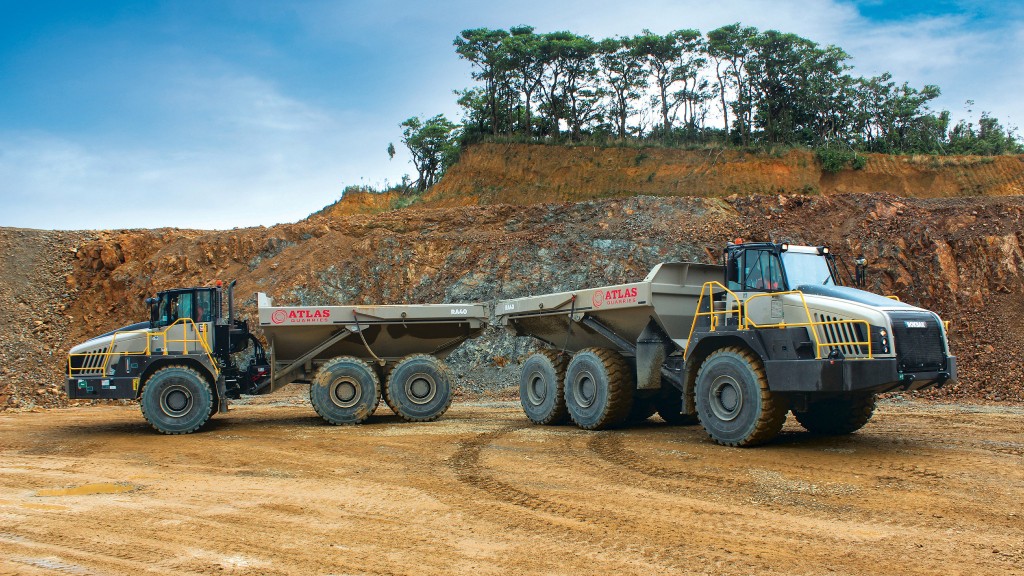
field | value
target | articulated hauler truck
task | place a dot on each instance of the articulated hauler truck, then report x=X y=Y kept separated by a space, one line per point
x=180 y=365
x=733 y=346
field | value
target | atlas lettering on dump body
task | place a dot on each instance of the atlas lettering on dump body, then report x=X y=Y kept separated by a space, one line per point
x=614 y=296
x=300 y=316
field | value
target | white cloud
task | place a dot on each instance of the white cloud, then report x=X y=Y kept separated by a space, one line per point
x=251 y=155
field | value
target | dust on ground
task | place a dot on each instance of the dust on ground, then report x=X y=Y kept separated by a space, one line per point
x=269 y=488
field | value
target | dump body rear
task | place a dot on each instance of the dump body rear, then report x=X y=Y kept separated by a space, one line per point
x=668 y=295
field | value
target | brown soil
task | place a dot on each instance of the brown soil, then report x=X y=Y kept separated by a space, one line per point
x=271 y=489
x=527 y=174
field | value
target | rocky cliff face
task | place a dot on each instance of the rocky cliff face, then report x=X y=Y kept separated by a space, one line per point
x=961 y=257
x=525 y=174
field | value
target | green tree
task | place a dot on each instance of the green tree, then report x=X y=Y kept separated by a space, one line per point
x=625 y=77
x=729 y=47
x=480 y=46
x=433 y=145
x=523 y=54
x=672 y=59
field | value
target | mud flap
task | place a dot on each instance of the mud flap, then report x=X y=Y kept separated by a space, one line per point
x=222 y=396
x=652 y=348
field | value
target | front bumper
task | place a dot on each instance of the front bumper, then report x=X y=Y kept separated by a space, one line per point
x=102 y=388
x=838 y=375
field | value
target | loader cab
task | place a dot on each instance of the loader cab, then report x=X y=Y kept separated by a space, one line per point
x=201 y=305
x=771 y=267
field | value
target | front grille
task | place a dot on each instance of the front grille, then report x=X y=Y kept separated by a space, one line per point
x=840 y=335
x=87 y=363
x=919 y=346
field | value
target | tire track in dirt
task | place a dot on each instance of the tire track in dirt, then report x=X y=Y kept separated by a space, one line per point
x=588 y=530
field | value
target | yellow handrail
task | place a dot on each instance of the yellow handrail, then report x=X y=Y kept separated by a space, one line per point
x=709 y=287
x=745 y=323
x=147 y=351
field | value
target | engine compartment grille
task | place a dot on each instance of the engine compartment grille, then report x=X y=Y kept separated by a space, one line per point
x=841 y=334
x=88 y=363
x=918 y=339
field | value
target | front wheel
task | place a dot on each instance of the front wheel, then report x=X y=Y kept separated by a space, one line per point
x=176 y=400
x=733 y=401
x=837 y=416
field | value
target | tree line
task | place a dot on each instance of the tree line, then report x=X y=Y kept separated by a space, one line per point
x=735 y=85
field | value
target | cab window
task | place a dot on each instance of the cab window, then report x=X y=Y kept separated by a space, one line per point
x=174 y=306
x=204 y=306
x=762 y=271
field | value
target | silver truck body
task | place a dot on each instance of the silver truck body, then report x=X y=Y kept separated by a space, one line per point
x=302 y=338
x=669 y=293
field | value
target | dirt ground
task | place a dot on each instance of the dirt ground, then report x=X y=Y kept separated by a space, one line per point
x=268 y=488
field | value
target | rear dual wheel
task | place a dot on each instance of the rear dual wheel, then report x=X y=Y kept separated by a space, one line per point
x=345 y=390
x=541 y=389
x=598 y=389
x=419 y=388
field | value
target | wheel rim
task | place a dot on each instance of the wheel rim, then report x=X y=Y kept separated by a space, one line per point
x=345 y=393
x=585 y=389
x=176 y=400
x=536 y=391
x=420 y=388
x=726 y=398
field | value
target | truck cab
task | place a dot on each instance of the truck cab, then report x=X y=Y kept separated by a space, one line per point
x=770 y=267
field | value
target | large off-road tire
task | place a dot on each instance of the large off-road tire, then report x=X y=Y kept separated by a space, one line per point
x=669 y=404
x=177 y=400
x=541 y=390
x=345 y=390
x=733 y=401
x=838 y=415
x=420 y=388
x=598 y=389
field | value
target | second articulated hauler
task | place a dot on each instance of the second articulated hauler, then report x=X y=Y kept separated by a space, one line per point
x=736 y=346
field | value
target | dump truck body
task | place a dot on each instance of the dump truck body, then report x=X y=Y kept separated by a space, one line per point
x=302 y=338
x=668 y=294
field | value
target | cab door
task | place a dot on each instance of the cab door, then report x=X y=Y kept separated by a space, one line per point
x=177 y=315
x=758 y=272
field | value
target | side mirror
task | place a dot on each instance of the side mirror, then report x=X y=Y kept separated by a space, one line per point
x=152 y=302
x=861 y=271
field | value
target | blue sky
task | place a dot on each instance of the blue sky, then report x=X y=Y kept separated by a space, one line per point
x=238 y=113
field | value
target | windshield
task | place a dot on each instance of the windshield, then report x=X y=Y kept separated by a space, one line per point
x=804 y=269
